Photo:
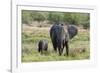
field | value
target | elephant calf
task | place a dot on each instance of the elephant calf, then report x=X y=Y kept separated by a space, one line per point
x=42 y=46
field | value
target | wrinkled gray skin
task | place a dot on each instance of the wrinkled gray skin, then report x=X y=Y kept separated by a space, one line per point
x=72 y=30
x=42 y=46
x=60 y=36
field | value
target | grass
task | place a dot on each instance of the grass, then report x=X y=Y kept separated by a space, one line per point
x=79 y=46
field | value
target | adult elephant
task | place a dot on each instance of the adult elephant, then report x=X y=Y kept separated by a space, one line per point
x=60 y=36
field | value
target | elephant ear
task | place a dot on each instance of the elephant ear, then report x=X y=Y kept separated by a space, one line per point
x=72 y=30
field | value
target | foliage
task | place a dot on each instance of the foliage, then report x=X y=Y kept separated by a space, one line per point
x=55 y=17
x=26 y=17
x=79 y=19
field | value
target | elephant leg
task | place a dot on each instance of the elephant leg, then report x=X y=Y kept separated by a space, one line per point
x=63 y=46
x=67 y=48
x=55 y=46
x=59 y=49
x=46 y=48
x=39 y=49
x=62 y=50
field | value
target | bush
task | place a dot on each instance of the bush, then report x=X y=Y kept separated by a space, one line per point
x=86 y=25
x=82 y=19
